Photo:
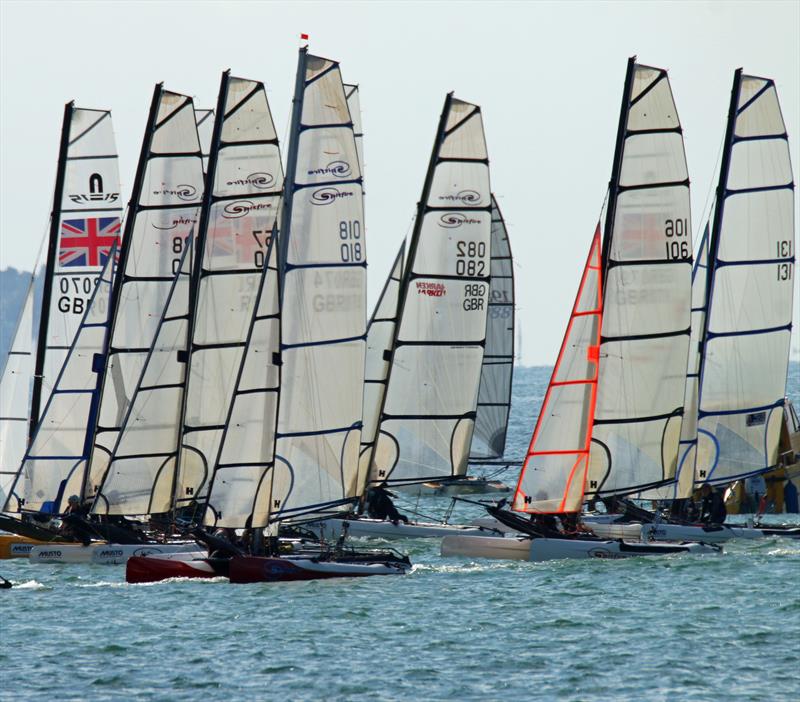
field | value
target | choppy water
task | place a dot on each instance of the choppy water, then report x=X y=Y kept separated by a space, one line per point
x=678 y=628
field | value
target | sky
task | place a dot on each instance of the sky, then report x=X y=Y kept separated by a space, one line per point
x=548 y=77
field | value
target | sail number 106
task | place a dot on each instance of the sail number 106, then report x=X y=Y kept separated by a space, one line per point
x=677 y=232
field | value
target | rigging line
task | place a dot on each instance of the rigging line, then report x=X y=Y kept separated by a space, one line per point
x=706 y=213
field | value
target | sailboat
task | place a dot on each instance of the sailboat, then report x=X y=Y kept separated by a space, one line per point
x=743 y=310
x=428 y=333
x=84 y=226
x=301 y=419
x=610 y=421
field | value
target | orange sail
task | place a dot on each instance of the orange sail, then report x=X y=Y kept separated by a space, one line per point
x=553 y=477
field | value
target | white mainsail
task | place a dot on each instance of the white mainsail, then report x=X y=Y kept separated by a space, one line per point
x=380 y=335
x=428 y=412
x=647 y=267
x=494 y=395
x=239 y=213
x=54 y=466
x=241 y=485
x=15 y=387
x=322 y=260
x=611 y=418
x=751 y=258
x=162 y=215
x=84 y=225
x=140 y=478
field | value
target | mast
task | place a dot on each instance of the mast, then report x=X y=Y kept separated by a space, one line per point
x=119 y=278
x=619 y=149
x=50 y=267
x=713 y=245
x=197 y=268
x=291 y=163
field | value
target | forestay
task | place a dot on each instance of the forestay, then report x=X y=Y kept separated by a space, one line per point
x=205 y=128
x=239 y=213
x=494 y=394
x=751 y=272
x=15 y=384
x=140 y=478
x=54 y=465
x=241 y=486
x=380 y=335
x=162 y=214
x=428 y=413
x=647 y=266
x=323 y=300
x=553 y=477
x=84 y=225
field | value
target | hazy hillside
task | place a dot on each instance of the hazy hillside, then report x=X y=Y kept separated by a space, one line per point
x=13 y=285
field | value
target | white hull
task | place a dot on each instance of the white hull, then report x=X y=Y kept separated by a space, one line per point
x=524 y=549
x=107 y=554
x=712 y=535
x=331 y=529
x=600 y=529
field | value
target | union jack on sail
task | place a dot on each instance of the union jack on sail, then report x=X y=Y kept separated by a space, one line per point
x=88 y=241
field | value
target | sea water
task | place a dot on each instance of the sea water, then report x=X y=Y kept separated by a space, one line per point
x=676 y=628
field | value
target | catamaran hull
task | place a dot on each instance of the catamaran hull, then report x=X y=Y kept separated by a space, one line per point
x=712 y=534
x=104 y=554
x=525 y=549
x=465 y=486
x=331 y=529
x=255 y=569
x=157 y=567
x=13 y=546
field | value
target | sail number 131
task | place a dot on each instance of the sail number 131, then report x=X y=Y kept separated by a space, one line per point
x=785 y=268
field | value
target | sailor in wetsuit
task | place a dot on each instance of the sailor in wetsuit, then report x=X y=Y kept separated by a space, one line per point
x=380 y=505
x=712 y=509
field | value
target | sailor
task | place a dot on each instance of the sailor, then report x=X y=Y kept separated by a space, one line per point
x=712 y=509
x=380 y=505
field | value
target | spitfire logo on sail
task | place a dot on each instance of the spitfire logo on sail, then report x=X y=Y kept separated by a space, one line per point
x=451 y=220
x=184 y=192
x=463 y=197
x=325 y=196
x=240 y=208
x=262 y=181
x=338 y=169
x=176 y=222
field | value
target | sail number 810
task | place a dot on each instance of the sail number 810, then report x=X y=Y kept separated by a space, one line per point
x=350 y=235
x=469 y=255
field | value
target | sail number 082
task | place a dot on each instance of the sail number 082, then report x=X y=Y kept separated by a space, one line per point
x=469 y=255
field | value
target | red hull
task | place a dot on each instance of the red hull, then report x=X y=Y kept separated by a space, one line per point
x=141 y=569
x=255 y=569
